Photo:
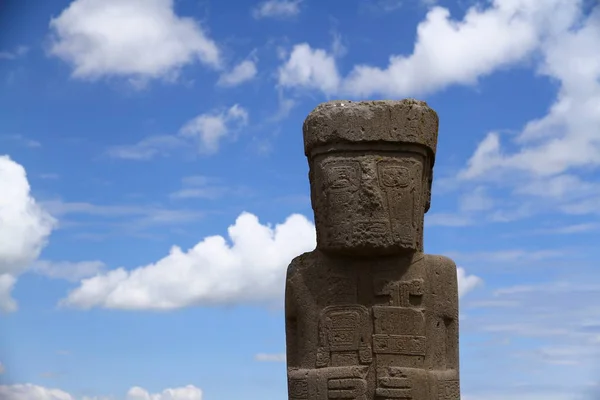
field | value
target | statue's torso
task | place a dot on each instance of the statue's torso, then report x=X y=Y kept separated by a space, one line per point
x=372 y=329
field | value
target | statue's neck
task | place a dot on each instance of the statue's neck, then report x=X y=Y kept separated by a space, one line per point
x=403 y=259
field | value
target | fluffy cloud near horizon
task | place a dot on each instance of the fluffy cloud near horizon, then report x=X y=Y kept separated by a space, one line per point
x=140 y=39
x=251 y=267
x=447 y=51
x=29 y=391
x=189 y=392
x=24 y=231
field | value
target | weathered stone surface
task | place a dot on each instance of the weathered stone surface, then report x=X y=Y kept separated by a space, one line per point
x=368 y=315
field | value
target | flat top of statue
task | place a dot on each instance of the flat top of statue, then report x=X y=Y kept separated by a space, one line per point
x=390 y=121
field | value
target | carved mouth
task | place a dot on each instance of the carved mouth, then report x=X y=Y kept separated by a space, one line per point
x=378 y=227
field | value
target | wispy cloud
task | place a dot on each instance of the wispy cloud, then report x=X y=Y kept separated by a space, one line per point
x=13 y=55
x=147 y=148
x=22 y=140
x=204 y=132
x=267 y=357
x=203 y=187
x=67 y=270
x=132 y=219
x=49 y=176
x=277 y=9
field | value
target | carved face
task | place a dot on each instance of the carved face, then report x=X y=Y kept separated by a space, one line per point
x=370 y=203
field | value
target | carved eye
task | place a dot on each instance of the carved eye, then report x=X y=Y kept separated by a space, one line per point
x=395 y=176
x=342 y=177
x=341 y=182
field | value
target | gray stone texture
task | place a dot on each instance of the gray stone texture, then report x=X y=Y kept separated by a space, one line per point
x=368 y=314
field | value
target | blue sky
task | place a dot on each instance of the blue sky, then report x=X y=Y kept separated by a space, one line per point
x=154 y=186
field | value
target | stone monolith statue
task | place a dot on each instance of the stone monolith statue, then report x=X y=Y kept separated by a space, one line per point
x=368 y=315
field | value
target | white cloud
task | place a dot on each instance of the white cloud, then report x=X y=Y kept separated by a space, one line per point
x=251 y=268
x=189 y=392
x=277 y=9
x=310 y=68
x=2 y=368
x=29 y=391
x=565 y=139
x=446 y=51
x=244 y=71
x=140 y=39
x=467 y=283
x=34 y=392
x=71 y=271
x=210 y=128
x=24 y=231
x=266 y=357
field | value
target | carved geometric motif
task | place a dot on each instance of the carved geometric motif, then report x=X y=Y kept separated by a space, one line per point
x=403 y=293
x=298 y=388
x=399 y=344
x=393 y=384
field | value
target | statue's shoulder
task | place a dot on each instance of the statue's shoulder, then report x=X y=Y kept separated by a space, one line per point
x=301 y=263
x=440 y=263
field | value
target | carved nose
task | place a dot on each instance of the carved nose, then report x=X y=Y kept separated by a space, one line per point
x=370 y=196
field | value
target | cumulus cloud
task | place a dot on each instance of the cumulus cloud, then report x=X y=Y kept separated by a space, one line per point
x=24 y=231
x=29 y=391
x=277 y=9
x=566 y=138
x=546 y=165
x=243 y=72
x=447 y=51
x=34 y=392
x=311 y=69
x=140 y=39
x=251 y=268
x=189 y=392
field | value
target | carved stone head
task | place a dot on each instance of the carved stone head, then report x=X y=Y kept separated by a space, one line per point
x=371 y=166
